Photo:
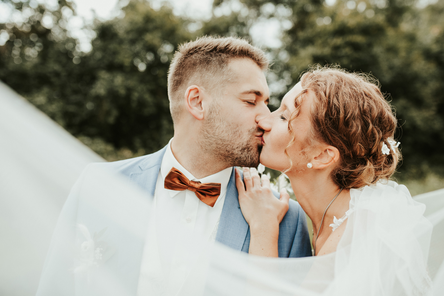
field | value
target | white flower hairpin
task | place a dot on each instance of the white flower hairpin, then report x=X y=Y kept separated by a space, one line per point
x=393 y=144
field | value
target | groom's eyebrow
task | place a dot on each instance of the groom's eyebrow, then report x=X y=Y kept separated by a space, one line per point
x=257 y=93
x=252 y=91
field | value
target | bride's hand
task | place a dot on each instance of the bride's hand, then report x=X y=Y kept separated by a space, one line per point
x=261 y=209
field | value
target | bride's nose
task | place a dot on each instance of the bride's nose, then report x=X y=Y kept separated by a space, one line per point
x=265 y=122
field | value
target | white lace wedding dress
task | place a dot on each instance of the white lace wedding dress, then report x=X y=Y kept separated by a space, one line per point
x=385 y=249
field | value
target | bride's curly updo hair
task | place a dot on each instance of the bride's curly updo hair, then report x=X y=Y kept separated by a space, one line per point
x=351 y=114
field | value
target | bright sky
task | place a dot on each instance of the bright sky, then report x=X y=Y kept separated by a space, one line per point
x=264 y=32
x=104 y=8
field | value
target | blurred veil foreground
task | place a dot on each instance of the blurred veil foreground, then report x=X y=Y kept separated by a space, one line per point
x=88 y=254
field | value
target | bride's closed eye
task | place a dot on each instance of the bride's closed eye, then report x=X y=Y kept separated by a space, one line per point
x=283 y=117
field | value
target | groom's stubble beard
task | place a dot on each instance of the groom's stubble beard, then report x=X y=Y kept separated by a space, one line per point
x=227 y=142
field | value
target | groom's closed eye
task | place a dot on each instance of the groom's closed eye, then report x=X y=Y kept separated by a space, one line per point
x=256 y=94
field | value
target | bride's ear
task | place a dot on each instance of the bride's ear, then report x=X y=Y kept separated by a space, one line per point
x=194 y=101
x=328 y=157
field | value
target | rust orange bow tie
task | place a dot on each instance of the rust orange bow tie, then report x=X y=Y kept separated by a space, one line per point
x=206 y=192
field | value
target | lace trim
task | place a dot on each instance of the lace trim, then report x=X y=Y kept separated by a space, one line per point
x=337 y=222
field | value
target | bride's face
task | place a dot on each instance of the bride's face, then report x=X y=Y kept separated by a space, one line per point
x=277 y=135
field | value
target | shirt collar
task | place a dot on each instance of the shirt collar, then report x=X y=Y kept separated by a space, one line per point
x=169 y=161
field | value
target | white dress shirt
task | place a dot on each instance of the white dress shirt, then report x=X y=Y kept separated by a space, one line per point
x=183 y=225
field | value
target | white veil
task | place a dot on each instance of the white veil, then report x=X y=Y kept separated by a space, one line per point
x=40 y=163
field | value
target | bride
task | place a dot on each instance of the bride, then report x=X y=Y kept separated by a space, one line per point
x=333 y=136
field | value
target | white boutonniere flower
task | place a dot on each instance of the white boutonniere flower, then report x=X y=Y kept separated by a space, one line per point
x=91 y=251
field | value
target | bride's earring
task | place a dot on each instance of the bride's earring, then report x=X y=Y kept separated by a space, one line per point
x=309 y=165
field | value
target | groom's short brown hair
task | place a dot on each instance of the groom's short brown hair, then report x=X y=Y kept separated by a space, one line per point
x=205 y=61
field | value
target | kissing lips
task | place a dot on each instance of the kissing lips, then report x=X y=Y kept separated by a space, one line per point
x=260 y=138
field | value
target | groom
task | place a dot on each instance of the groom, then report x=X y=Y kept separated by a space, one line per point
x=218 y=92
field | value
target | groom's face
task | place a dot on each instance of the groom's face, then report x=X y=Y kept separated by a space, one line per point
x=231 y=130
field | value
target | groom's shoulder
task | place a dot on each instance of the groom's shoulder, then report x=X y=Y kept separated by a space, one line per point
x=130 y=165
x=294 y=209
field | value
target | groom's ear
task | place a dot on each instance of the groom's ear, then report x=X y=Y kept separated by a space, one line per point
x=328 y=157
x=194 y=101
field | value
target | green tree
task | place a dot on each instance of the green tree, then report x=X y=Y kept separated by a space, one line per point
x=127 y=103
x=39 y=55
x=389 y=39
x=112 y=98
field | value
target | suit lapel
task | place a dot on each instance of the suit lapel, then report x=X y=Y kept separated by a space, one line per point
x=146 y=173
x=233 y=228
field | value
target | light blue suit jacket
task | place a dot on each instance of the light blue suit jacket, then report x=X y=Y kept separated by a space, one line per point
x=233 y=230
x=98 y=214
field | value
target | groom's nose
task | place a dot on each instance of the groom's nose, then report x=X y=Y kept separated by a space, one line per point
x=265 y=122
x=264 y=112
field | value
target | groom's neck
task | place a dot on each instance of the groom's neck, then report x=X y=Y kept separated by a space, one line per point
x=194 y=159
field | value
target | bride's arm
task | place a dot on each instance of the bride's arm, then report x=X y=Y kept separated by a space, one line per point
x=262 y=211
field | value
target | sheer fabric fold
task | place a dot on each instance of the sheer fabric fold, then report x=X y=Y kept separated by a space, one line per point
x=388 y=247
x=382 y=252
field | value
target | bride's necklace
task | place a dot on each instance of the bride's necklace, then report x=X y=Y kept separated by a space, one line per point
x=322 y=220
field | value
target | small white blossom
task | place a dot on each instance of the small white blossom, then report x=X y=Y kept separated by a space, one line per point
x=92 y=251
x=98 y=254
x=385 y=150
x=261 y=168
x=336 y=223
x=393 y=144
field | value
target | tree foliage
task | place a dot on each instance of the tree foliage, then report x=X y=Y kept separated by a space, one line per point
x=395 y=41
x=114 y=98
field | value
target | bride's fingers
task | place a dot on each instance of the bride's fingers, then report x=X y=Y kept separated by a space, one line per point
x=255 y=178
x=239 y=183
x=285 y=197
x=265 y=181
x=247 y=178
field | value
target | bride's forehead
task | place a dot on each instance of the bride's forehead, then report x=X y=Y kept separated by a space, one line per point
x=292 y=94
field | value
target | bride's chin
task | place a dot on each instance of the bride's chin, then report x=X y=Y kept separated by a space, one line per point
x=272 y=163
x=265 y=161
